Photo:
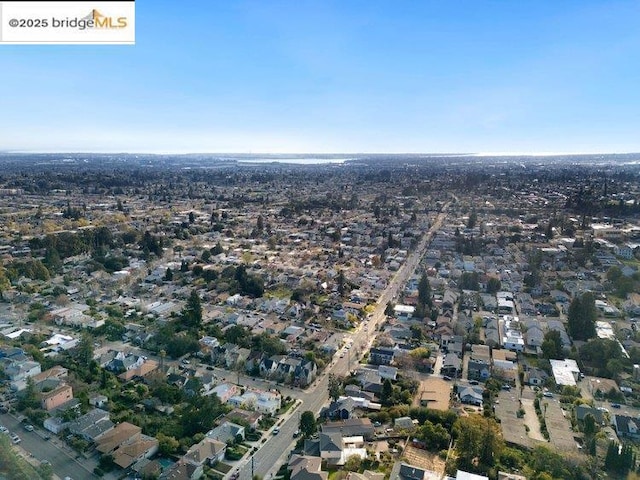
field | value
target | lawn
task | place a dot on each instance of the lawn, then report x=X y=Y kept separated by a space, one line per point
x=222 y=467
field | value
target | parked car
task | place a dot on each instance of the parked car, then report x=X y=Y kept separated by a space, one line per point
x=15 y=438
x=28 y=427
x=276 y=430
x=615 y=405
x=547 y=394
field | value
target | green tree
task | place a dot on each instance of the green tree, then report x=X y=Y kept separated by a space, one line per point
x=552 y=345
x=544 y=461
x=353 y=463
x=386 y=396
x=192 y=312
x=388 y=311
x=478 y=442
x=168 y=275
x=582 y=317
x=424 y=291
x=84 y=350
x=167 y=445
x=335 y=387
x=308 y=424
x=469 y=281
x=493 y=285
x=341 y=283
x=473 y=218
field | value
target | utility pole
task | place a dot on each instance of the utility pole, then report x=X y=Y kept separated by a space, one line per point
x=252 y=460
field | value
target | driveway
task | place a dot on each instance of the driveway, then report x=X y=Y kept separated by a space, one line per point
x=531 y=420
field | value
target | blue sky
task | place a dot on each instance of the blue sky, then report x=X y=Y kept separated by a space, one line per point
x=337 y=76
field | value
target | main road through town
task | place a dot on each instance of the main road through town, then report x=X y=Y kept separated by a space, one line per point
x=268 y=459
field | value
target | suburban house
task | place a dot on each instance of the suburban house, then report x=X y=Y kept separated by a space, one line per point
x=56 y=397
x=182 y=470
x=471 y=395
x=91 y=425
x=268 y=403
x=451 y=365
x=381 y=356
x=478 y=370
x=351 y=427
x=626 y=426
x=226 y=432
x=304 y=467
x=208 y=451
x=335 y=449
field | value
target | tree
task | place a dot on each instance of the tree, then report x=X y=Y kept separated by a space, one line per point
x=552 y=345
x=387 y=392
x=582 y=317
x=493 y=285
x=469 y=281
x=341 y=283
x=4 y=281
x=167 y=445
x=308 y=424
x=388 y=311
x=353 y=463
x=335 y=387
x=192 y=311
x=192 y=217
x=84 y=350
x=478 y=442
x=168 y=275
x=619 y=459
x=473 y=218
x=424 y=291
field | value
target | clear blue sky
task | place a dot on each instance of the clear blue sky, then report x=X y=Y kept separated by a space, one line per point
x=337 y=76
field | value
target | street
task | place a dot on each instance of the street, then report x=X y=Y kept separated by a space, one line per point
x=62 y=460
x=274 y=452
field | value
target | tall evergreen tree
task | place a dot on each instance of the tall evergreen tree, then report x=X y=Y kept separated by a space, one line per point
x=192 y=312
x=582 y=317
x=424 y=291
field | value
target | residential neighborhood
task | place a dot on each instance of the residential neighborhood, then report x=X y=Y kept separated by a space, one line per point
x=375 y=320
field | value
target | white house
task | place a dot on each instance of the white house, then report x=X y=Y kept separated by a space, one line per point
x=268 y=402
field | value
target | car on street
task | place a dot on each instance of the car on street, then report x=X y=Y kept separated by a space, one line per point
x=28 y=427
x=276 y=431
x=15 y=438
x=615 y=405
x=3 y=429
x=547 y=394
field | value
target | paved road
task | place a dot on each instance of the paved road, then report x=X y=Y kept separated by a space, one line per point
x=267 y=460
x=62 y=461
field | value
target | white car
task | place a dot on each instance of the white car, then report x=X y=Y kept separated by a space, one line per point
x=3 y=429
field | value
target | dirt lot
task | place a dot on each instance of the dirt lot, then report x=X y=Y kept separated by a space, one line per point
x=435 y=392
x=423 y=459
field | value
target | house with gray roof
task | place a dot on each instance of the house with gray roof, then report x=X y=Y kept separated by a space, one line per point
x=226 y=432
x=91 y=425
